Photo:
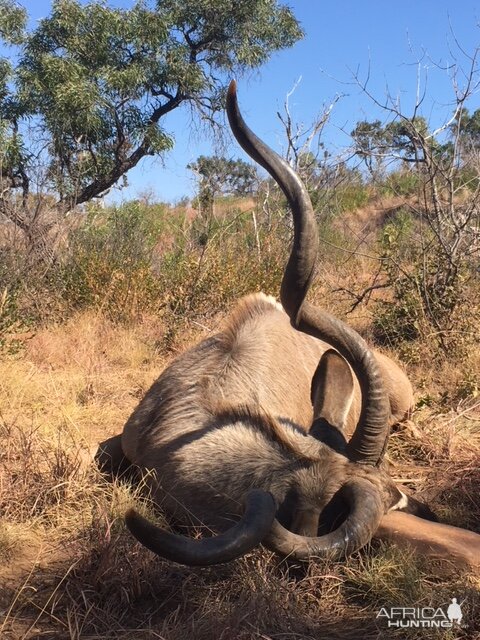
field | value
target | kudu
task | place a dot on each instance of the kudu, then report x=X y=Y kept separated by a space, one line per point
x=245 y=432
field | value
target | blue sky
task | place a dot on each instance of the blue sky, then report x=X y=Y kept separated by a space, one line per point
x=341 y=38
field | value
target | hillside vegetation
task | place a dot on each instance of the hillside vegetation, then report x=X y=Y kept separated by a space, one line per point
x=82 y=341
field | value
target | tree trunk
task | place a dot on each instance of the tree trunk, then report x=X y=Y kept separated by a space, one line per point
x=40 y=248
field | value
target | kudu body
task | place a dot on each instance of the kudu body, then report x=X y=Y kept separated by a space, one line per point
x=233 y=413
x=248 y=426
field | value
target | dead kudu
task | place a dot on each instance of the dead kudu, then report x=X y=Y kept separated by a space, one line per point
x=245 y=433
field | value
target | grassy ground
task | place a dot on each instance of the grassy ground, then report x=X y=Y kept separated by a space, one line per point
x=69 y=569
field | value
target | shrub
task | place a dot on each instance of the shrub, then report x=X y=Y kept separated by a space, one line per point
x=401 y=183
x=206 y=274
x=109 y=260
x=423 y=304
x=349 y=197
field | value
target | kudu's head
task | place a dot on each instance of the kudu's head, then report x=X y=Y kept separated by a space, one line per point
x=365 y=492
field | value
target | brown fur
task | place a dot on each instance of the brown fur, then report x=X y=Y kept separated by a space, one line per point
x=458 y=548
x=233 y=413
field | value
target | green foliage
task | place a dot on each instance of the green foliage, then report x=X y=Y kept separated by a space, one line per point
x=136 y=259
x=99 y=80
x=349 y=197
x=341 y=189
x=222 y=175
x=429 y=277
x=23 y=291
x=399 y=319
x=422 y=310
x=218 y=175
x=403 y=182
x=13 y=153
x=468 y=127
x=238 y=34
x=83 y=71
x=204 y=276
x=109 y=261
x=396 y=235
x=371 y=142
x=401 y=138
x=423 y=305
x=408 y=140
x=13 y=19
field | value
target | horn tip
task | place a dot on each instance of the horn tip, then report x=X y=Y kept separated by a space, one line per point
x=130 y=514
x=232 y=89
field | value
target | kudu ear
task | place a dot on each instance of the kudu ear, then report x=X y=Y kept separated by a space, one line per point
x=331 y=394
x=332 y=389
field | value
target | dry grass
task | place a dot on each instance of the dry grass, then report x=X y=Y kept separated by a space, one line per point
x=68 y=568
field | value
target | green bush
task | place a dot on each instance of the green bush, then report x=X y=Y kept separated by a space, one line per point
x=109 y=260
x=349 y=197
x=401 y=183
x=22 y=296
x=397 y=235
x=422 y=304
x=198 y=280
x=396 y=322
x=346 y=197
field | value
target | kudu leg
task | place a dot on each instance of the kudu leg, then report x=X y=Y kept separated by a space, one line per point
x=454 y=548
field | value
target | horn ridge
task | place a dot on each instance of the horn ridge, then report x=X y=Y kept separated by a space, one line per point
x=246 y=534
x=370 y=437
x=301 y=265
x=366 y=511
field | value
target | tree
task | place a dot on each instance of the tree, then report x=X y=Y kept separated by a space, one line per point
x=434 y=282
x=465 y=132
x=399 y=140
x=88 y=97
x=217 y=175
x=221 y=175
x=469 y=126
